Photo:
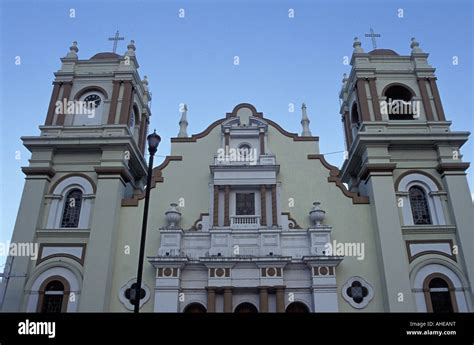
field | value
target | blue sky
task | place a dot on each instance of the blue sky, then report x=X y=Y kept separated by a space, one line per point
x=190 y=60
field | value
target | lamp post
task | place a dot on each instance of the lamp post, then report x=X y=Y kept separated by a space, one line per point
x=153 y=142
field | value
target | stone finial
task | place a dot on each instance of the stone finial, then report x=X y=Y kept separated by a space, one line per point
x=344 y=78
x=357 y=46
x=183 y=123
x=73 y=51
x=415 y=46
x=131 y=48
x=305 y=122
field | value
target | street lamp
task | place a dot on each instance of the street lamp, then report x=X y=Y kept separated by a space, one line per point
x=153 y=142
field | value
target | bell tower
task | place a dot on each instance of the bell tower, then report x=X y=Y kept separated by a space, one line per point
x=87 y=158
x=402 y=154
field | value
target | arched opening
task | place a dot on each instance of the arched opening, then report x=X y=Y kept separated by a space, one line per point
x=246 y=308
x=399 y=105
x=53 y=296
x=195 y=308
x=72 y=209
x=419 y=206
x=355 y=119
x=439 y=294
x=297 y=307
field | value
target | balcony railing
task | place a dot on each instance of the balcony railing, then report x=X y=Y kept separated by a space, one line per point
x=245 y=221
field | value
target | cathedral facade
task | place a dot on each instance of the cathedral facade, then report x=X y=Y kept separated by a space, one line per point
x=245 y=216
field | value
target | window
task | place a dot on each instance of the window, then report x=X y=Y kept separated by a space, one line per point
x=72 y=209
x=131 y=292
x=357 y=292
x=440 y=296
x=194 y=308
x=53 y=297
x=399 y=104
x=419 y=206
x=245 y=204
x=355 y=115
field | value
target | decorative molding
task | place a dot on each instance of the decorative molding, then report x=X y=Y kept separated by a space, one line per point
x=90 y=88
x=38 y=171
x=64 y=177
x=156 y=178
x=296 y=226
x=195 y=225
x=334 y=177
x=122 y=171
x=204 y=133
x=460 y=166
x=426 y=252
x=421 y=172
x=58 y=255
x=376 y=167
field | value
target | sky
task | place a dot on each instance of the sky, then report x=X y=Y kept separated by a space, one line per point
x=190 y=59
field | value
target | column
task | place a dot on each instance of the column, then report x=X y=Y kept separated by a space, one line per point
x=99 y=262
x=216 y=207
x=226 y=206
x=391 y=249
x=28 y=219
x=262 y=142
x=67 y=86
x=425 y=99
x=52 y=104
x=263 y=299
x=127 y=101
x=280 y=299
x=228 y=300
x=114 y=101
x=437 y=99
x=375 y=99
x=460 y=205
x=211 y=299
x=263 y=205
x=274 y=206
x=362 y=97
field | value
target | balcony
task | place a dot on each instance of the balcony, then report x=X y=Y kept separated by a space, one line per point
x=245 y=222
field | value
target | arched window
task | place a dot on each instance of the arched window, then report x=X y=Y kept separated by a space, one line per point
x=194 y=308
x=297 y=307
x=246 y=308
x=72 y=209
x=399 y=105
x=53 y=297
x=440 y=296
x=244 y=152
x=419 y=206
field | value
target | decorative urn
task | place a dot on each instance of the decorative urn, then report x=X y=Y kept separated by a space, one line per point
x=173 y=216
x=316 y=214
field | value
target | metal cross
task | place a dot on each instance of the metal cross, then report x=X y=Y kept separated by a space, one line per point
x=373 y=35
x=116 y=39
